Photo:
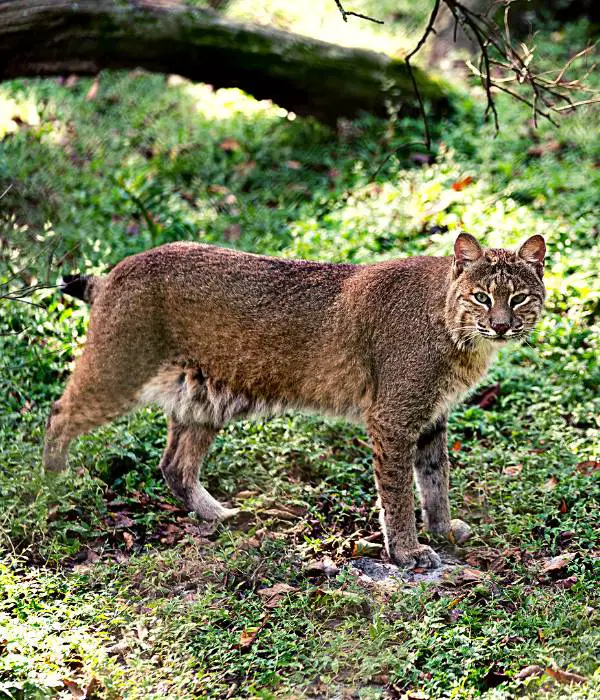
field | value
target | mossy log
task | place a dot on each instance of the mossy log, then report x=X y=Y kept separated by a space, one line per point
x=41 y=38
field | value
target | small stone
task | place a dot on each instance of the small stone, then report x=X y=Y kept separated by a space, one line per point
x=460 y=532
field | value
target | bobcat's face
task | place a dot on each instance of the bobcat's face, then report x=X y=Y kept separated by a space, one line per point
x=496 y=294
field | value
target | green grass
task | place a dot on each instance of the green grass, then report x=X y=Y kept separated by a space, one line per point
x=103 y=578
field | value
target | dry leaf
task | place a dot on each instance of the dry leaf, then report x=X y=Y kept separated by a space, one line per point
x=563 y=508
x=247 y=637
x=380 y=679
x=218 y=189
x=128 y=539
x=76 y=690
x=321 y=567
x=565 y=677
x=566 y=583
x=364 y=548
x=93 y=91
x=293 y=164
x=273 y=596
x=79 y=692
x=486 y=397
x=279 y=514
x=529 y=671
x=245 y=168
x=464 y=575
x=229 y=145
x=551 y=484
x=588 y=467
x=557 y=563
x=120 y=520
x=246 y=494
x=513 y=470
x=541 y=149
x=462 y=183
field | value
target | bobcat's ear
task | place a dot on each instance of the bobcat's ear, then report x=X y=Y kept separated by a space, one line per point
x=466 y=251
x=533 y=251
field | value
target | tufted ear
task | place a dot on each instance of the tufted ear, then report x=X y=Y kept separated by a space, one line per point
x=533 y=251
x=466 y=251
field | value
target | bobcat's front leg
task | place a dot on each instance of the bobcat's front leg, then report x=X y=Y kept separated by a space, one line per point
x=393 y=458
x=432 y=474
x=432 y=471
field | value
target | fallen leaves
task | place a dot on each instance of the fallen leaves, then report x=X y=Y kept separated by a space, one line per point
x=464 y=575
x=542 y=149
x=272 y=597
x=364 y=548
x=563 y=508
x=529 y=671
x=566 y=583
x=247 y=638
x=562 y=677
x=555 y=564
x=321 y=567
x=230 y=145
x=588 y=467
x=460 y=185
x=93 y=91
x=513 y=470
x=485 y=398
x=79 y=691
x=565 y=677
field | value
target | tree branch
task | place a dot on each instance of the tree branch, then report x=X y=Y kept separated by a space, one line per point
x=346 y=14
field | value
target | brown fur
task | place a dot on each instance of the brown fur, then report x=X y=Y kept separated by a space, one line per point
x=212 y=334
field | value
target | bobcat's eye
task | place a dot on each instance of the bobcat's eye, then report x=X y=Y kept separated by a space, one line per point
x=483 y=298
x=518 y=299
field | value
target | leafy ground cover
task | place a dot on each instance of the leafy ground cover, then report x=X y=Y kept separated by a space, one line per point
x=108 y=589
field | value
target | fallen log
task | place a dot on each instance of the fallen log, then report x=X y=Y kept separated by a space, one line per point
x=43 y=38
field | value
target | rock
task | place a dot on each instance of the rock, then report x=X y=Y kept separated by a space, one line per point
x=460 y=532
x=373 y=572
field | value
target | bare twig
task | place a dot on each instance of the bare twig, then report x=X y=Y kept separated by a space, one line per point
x=501 y=61
x=516 y=65
x=6 y=191
x=422 y=40
x=346 y=14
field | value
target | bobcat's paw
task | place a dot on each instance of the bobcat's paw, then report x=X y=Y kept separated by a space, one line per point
x=54 y=462
x=422 y=556
x=459 y=531
x=228 y=513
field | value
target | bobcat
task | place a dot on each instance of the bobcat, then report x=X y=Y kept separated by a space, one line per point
x=212 y=334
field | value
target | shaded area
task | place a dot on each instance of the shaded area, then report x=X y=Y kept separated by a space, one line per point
x=301 y=74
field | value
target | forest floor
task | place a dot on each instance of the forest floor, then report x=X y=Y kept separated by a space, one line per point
x=108 y=589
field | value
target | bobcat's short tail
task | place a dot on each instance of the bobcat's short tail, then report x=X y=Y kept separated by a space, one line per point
x=84 y=287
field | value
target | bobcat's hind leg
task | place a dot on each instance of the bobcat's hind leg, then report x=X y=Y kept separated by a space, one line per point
x=90 y=400
x=180 y=465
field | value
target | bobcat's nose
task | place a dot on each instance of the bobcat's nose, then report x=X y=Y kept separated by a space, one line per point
x=500 y=328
